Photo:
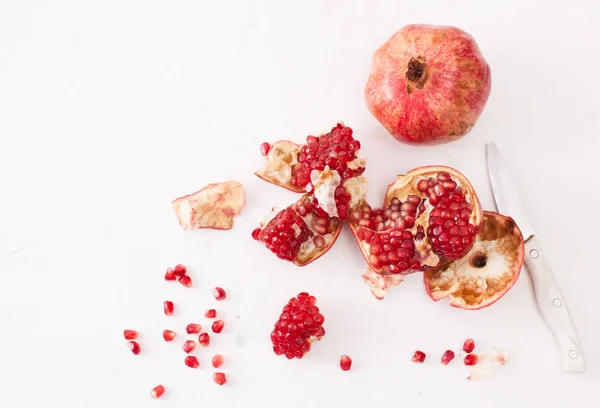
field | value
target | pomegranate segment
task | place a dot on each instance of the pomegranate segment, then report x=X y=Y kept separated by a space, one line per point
x=130 y=334
x=219 y=378
x=418 y=357
x=157 y=391
x=215 y=206
x=487 y=272
x=345 y=363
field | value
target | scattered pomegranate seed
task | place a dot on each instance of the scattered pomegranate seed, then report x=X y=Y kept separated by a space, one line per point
x=219 y=293
x=204 y=339
x=192 y=362
x=130 y=334
x=169 y=335
x=210 y=313
x=418 y=357
x=134 y=347
x=170 y=275
x=264 y=148
x=345 y=362
x=193 y=328
x=217 y=360
x=180 y=270
x=189 y=346
x=255 y=233
x=469 y=345
x=168 y=307
x=217 y=326
x=157 y=391
x=219 y=378
x=471 y=359
x=186 y=281
x=447 y=357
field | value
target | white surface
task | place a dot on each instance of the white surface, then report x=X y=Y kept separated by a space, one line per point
x=109 y=110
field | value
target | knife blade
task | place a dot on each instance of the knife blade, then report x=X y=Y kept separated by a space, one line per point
x=550 y=300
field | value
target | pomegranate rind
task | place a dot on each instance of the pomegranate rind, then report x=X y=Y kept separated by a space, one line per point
x=486 y=365
x=381 y=284
x=282 y=156
x=215 y=206
x=471 y=287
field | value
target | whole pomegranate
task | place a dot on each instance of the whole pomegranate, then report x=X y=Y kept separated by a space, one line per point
x=428 y=84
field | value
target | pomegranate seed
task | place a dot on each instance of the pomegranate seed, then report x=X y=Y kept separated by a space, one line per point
x=217 y=326
x=157 y=391
x=169 y=335
x=192 y=362
x=189 y=346
x=204 y=339
x=186 y=281
x=469 y=345
x=180 y=270
x=219 y=293
x=217 y=361
x=255 y=233
x=168 y=307
x=192 y=328
x=471 y=359
x=264 y=148
x=418 y=357
x=219 y=378
x=170 y=275
x=134 y=347
x=130 y=334
x=345 y=362
x=447 y=357
x=210 y=314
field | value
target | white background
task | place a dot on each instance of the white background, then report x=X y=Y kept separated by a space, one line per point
x=111 y=109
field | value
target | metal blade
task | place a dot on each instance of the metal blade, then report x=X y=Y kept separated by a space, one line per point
x=506 y=195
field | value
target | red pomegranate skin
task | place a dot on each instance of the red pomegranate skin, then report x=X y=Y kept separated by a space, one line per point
x=428 y=84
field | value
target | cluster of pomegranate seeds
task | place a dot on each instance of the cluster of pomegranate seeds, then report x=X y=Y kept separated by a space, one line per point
x=169 y=335
x=168 y=307
x=204 y=339
x=284 y=234
x=299 y=324
x=192 y=362
x=469 y=345
x=447 y=357
x=217 y=360
x=193 y=328
x=189 y=346
x=219 y=378
x=345 y=362
x=130 y=334
x=471 y=359
x=217 y=326
x=418 y=357
x=210 y=314
x=157 y=391
x=179 y=273
x=134 y=347
x=219 y=293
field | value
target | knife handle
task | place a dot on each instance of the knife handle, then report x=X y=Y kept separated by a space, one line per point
x=553 y=307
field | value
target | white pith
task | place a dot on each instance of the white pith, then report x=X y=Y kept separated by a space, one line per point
x=325 y=182
x=282 y=156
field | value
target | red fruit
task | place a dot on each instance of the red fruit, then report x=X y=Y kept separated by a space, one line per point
x=210 y=313
x=192 y=362
x=264 y=148
x=469 y=345
x=180 y=270
x=157 y=391
x=217 y=326
x=186 y=281
x=169 y=335
x=471 y=359
x=219 y=293
x=219 y=378
x=428 y=84
x=134 y=347
x=299 y=324
x=168 y=307
x=192 y=328
x=345 y=362
x=418 y=357
x=215 y=206
x=486 y=272
x=130 y=334
x=217 y=361
x=447 y=357
x=204 y=339
x=170 y=275
x=189 y=346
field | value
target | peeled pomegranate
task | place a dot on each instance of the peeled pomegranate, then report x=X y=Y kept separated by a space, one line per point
x=428 y=84
x=486 y=272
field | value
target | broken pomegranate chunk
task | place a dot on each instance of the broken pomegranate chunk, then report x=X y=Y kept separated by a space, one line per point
x=210 y=313
x=217 y=326
x=217 y=360
x=204 y=339
x=189 y=346
x=471 y=359
x=219 y=378
x=469 y=345
x=345 y=362
x=193 y=328
x=170 y=275
x=186 y=281
x=299 y=324
x=168 y=307
x=192 y=362
x=447 y=357
x=169 y=335
x=130 y=334
x=418 y=357
x=215 y=206
x=134 y=347
x=219 y=293
x=157 y=391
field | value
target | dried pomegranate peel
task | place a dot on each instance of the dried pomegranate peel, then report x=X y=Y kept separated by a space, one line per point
x=215 y=206
x=487 y=272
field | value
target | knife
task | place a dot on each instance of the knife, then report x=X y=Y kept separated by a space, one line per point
x=550 y=300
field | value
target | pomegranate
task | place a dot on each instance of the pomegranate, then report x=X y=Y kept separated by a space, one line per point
x=486 y=272
x=428 y=84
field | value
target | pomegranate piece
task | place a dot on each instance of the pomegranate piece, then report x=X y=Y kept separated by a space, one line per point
x=469 y=345
x=219 y=293
x=169 y=335
x=193 y=328
x=471 y=359
x=210 y=313
x=486 y=365
x=130 y=334
x=447 y=357
x=418 y=357
x=300 y=324
x=189 y=346
x=215 y=206
x=345 y=362
x=486 y=272
x=168 y=307
x=134 y=347
x=170 y=275
x=418 y=92
x=157 y=391
x=186 y=281
x=192 y=362
x=180 y=270
x=217 y=326
x=219 y=378
x=217 y=360
x=204 y=339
